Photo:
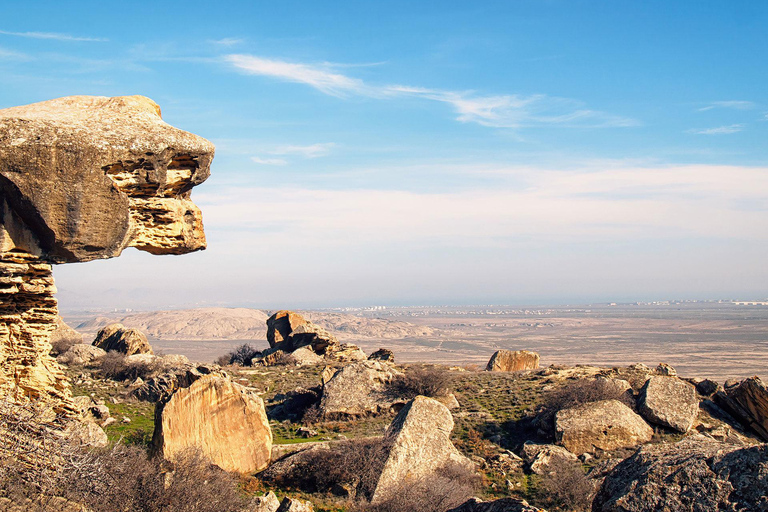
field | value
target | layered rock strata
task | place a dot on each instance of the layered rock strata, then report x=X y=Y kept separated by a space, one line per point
x=82 y=178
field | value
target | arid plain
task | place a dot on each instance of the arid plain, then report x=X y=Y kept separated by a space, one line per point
x=718 y=340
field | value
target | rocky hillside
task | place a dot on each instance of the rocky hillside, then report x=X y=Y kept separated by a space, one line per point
x=250 y=324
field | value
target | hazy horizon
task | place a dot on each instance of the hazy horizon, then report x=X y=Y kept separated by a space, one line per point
x=527 y=152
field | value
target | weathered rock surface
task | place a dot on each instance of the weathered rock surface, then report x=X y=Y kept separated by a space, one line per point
x=546 y=458
x=123 y=178
x=80 y=355
x=345 y=353
x=419 y=445
x=509 y=361
x=294 y=505
x=669 y=402
x=695 y=474
x=383 y=354
x=665 y=370
x=121 y=339
x=304 y=356
x=222 y=419
x=603 y=425
x=358 y=389
x=266 y=503
x=500 y=505
x=748 y=403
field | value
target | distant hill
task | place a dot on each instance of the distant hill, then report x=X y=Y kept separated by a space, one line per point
x=250 y=324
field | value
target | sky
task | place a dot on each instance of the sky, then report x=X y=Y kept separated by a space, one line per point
x=432 y=152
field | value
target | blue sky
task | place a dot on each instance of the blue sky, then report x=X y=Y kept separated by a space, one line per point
x=513 y=152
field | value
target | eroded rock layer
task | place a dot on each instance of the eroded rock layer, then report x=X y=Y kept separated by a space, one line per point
x=28 y=316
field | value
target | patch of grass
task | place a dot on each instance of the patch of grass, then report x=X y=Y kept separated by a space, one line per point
x=139 y=430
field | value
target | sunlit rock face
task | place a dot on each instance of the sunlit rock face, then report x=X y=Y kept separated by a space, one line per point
x=82 y=178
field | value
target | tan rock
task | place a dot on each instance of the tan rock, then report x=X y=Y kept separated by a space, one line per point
x=669 y=402
x=281 y=325
x=546 y=458
x=288 y=331
x=603 y=425
x=116 y=337
x=383 y=354
x=345 y=353
x=294 y=505
x=748 y=402
x=222 y=419
x=509 y=361
x=65 y=335
x=266 y=503
x=420 y=445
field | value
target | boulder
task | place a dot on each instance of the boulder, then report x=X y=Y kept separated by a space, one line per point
x=288 y=331
x=546 y=458
x=81 y=355
x=223 y=420
x=695 y=474
x=358 y=389
x=500 y=505
x=281 y=325
x=293 y=505
x=266 y=503
x=747 y=402
x=509 y=361
x=162 y=387
x=123 y=178
x=603 y=425
x=707 y=387
x=419 y=446
x=665 y=370
x=345 y=353
x=87 y=434
x=116 y=337
x=383 y=354
x=303 y=356
x=669 y=402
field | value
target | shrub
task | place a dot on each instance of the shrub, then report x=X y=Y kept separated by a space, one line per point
x=566 y=488
x=62 y=344
x=426 y=381
x=116 y=366
x=584 y=391
x=242 y=356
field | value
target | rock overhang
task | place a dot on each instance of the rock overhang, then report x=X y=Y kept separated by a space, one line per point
x=83 y=177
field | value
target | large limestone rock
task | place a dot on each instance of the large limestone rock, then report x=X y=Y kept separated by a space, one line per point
x=222 y=419
x=603 y=425
x=358 y=389
x=116 y=337
x=748 y=402
x=161 y=387
x=695 y=474
x=669 y=402
x=544 y=459
x=419 y=446
x=288 y=331
x=509 y=361
x=122 y=178
x=500 y=505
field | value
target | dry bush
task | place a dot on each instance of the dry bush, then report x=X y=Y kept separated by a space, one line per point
x=566 y=487
x=61 y=345
x=116 y=366
x=584 y=391
x=426 y=381
x=39 y=463
x=242 y=356
x=448 y=487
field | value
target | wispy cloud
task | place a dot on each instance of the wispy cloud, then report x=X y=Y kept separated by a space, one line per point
x=13 y=55
x=720 y=130
x=500 y=111
x=269 y=161
x=54 y=36
x=312 y=151
x=227 y=41
x=732 y=104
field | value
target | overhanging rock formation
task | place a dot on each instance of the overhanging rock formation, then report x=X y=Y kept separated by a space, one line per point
x=82 y=178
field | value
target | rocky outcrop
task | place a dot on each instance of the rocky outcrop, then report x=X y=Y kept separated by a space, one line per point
x=122 y=179
x=116 y=337
x=603 y=425
x=669 y=402
x=161 y=387
x=358 y=389
x=81 y=355
x=64 y=335
x=266 y=503
x=288 y=331
x=223 y=420
x=747 y=402
x=695 y=474
x=345 y=353
x=419 y=446
x=500 y=505
x=294 y=505
x=509 y=361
